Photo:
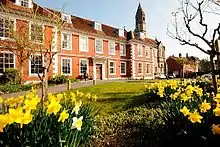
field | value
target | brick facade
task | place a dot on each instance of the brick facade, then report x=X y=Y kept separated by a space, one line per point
x=82 y=55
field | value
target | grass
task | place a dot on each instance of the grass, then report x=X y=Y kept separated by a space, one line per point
x=114 y=97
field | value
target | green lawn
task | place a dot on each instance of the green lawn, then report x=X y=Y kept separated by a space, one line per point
x=113 y=97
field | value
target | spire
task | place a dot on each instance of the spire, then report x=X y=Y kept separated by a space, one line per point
x=140 y=11
x=140 y=20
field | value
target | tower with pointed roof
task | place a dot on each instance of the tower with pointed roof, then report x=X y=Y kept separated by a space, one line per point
x=140 y=21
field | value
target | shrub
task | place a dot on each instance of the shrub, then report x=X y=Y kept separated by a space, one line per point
x=134 y=127
x=58 y=80
x=10 y=75
x=61 y=80
x=61 y=120
x=11 y=88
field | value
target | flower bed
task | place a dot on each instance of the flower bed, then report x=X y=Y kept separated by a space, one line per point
x=193 y=112
x=61 y=120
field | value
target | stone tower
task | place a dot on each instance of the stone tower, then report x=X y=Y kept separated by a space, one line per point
x=140 y=21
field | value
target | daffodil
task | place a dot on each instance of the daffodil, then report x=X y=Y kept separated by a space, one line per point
x=204 y=107
x=63 y=116
x=94 y=97
x=54 y=107
x=77 y=107
x=73 y=97
x=217 y=111
x=189 y=90
x=59 y=97
x=216 y=129
x=15 y=114
x=185 y=111
x=31 y=104
x=77 y=123
x=198 y=91
x=160 y=91
x=175 y=95
x=195 y=117
x=3 y=122
x=25 y=119
x=184 y=97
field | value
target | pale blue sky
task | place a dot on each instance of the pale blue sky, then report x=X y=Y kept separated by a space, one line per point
x=120 y=13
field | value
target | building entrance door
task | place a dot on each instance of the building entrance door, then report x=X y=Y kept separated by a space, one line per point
x=99 y=71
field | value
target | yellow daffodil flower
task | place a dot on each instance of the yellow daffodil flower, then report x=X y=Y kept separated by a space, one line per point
x=25 y=119
x=217 y=111
x=160 y=91
x=94 y=98
x=195 y=117
x=54 y=107
x=77 y=107
x=184 y=97
x=77 y=123
x=204 y=107
x=63 y=116
x=59 y=97
x=73 y=97
x=3 y=122
x=216 y=129
x=15 y=114
x=31 y=104
x=185 y=111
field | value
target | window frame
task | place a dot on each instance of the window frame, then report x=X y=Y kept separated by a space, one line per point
x=81 y=59
x=35 y=74
x=114 y=67
x=30 y=4
x=98 y=52
x=125 y=68
x=98 y=26
x=63 y=15
x=147 y=50
x=14 y=60
x=114 y=44
x=87 y=43
x=140 y=47
x=36 y=41
x=71 y=41
x=125 y=52
x=66 y=58
x=14 y=26
x=148 y=68
x=141 y=68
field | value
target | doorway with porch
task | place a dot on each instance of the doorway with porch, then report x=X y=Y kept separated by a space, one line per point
x=99 y=71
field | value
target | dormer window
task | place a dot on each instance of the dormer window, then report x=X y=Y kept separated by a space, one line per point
x=98 y=26
x=141 y=35
x=66 y=18
x=121 y=33
x=24 y=3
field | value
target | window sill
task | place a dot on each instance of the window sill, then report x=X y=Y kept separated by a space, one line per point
x=66 y=49
x=67 y=74
x=35 y=75
x=112 y=54
x=99 y=52
x=122 y=74
x=113 y=74
x=123 y=55
x=84 y=50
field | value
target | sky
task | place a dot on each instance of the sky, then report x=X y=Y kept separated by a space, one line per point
x=120 y=13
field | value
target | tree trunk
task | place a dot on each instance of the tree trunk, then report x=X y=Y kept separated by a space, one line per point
x=213 y=75
x=21 y=73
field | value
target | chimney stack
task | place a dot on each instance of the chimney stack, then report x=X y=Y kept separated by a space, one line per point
x=187 y=55
x=180 y=55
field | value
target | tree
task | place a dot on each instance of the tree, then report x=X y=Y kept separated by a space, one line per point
x=190 y=27
x=204 y=66
x=25 y=44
